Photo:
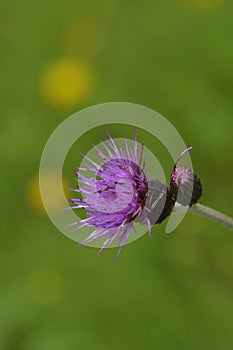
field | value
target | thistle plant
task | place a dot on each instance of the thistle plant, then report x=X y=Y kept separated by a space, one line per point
x=119 y=194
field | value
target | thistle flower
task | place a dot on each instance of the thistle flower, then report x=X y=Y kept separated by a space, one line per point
x=115 y=197
x=119 y=194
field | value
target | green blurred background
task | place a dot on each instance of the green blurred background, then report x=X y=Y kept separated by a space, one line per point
x=166 y=291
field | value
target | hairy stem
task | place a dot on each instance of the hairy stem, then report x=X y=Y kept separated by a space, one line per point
x=210 y=213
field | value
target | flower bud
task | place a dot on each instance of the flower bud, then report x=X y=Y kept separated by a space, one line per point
x=185 y=186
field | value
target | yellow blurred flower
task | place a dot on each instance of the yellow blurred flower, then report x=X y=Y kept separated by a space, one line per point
x=66 y=82
x=45 y=286
x=54 y=200
x=206 y=4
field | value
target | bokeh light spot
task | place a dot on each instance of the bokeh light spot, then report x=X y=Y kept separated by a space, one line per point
x=66 y=83
x=206 y=4
x=45 y=286
x=54 y=200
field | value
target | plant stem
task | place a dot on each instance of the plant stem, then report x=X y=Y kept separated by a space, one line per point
x=210 y=213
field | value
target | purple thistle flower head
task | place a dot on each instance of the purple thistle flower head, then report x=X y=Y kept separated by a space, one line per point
x=185 y=186
x=115 y=197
